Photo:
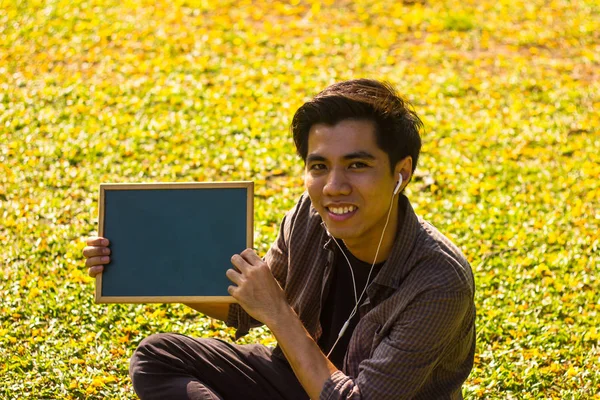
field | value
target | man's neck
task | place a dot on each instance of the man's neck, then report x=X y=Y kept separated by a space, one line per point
x=367 y=250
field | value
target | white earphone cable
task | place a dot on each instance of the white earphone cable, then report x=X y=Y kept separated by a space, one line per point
x=347 y=323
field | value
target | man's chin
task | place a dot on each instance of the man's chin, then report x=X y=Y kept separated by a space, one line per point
x=340 y=233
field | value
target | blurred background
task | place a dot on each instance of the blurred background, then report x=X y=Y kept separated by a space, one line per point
x=180 y=91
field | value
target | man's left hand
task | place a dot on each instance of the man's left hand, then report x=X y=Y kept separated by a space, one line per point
x=256 y=289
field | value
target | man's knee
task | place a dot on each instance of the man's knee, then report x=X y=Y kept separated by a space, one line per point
x=148 y=361
x=163 y=366
x=147 y=353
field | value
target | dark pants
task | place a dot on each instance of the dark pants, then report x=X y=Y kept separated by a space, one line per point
x=171 y=366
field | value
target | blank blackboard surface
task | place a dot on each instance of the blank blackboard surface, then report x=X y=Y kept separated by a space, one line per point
x=172 y=242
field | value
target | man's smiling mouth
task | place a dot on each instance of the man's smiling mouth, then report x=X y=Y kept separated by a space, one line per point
x=341 y=210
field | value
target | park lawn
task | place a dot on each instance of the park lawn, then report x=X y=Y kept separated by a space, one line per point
x=148 y=91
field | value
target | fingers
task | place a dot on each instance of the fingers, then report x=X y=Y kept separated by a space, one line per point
x=245 y=262
x=251 y=257
x=95 y=270
x=93 y=261
x=240 y=263
x=97 y=241
x=94 y=251
x=97 y=255
x=232 y=290
x=234 y=276
x=246 y=259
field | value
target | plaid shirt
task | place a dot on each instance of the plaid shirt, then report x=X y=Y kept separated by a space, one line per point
x=416 y=334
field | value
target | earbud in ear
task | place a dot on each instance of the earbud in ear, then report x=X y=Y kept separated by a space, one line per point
x=398 y=185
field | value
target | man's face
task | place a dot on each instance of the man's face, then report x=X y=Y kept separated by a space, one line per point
x=349 y=181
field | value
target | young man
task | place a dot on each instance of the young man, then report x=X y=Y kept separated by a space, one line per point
x=365 y=299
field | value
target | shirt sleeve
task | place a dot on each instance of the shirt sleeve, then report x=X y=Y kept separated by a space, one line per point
x=277 y=260
x=405 y=358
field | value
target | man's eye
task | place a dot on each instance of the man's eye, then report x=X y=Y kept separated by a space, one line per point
x=358 y=164
x=317 y=167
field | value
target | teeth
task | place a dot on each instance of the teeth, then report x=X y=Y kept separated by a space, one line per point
x=342 y=210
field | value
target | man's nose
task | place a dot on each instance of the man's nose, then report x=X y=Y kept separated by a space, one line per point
x=337 y=184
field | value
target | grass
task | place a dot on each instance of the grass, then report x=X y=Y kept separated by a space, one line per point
x=121 y=91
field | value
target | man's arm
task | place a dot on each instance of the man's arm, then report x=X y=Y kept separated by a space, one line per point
x=262 y=298
x=214 y=310
x=427 y=332
x=311 y=366
x=400 y=365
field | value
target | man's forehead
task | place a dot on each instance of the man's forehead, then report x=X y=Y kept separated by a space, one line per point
x=348 y=137
x=347 y=122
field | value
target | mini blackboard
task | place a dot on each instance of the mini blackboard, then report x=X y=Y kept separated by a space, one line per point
x=172 y=242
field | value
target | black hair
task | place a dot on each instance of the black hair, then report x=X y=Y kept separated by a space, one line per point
x=397 y=125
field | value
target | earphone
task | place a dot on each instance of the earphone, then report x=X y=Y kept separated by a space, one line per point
x=357 y=301
x=399 y=184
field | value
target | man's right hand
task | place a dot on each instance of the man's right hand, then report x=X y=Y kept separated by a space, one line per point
x=97 y=255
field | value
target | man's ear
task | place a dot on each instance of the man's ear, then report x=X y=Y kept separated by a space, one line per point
x=404 y=167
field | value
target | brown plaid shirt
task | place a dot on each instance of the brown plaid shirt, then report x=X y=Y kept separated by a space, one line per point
x=416 y=334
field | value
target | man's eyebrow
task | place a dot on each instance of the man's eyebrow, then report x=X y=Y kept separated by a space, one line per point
x=314 y=157
x=359 y=154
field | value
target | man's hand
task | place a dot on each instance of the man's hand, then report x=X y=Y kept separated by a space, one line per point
x=260 y=295
x=256 y=289
x=97 y=255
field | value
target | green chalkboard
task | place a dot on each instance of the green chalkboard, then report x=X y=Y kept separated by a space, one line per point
x=172 y=242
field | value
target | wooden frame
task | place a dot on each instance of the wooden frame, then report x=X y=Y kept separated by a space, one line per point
x=137 y=213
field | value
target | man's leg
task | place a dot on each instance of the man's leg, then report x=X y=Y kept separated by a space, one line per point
x=173 y=366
